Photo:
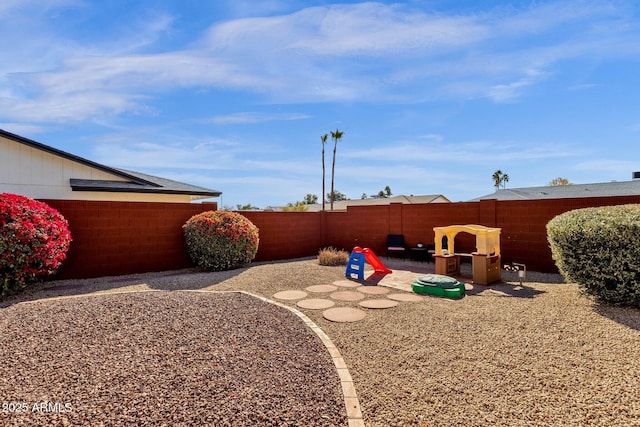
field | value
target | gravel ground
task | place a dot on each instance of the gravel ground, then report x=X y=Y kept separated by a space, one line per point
x=164 y=358
x=537 y=355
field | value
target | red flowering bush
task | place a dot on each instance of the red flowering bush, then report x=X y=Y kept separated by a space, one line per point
x=34 y=240
x=220 y=240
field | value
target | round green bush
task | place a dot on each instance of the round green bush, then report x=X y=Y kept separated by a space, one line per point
x=599 y=248
x=34 y=240
x=220 y=240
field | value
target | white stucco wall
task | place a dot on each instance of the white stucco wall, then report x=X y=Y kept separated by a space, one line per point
x=40 y=175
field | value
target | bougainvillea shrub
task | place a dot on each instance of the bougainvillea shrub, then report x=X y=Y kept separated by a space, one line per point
x=220 y=240
x=34 y=240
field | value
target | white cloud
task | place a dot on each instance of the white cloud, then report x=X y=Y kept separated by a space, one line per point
x=256 y=117
x=22 y=129
x=150 y=150
x=483 y=152
x=508 y=92
x=363 y=29
x=343 y=52
x=144 y=155
x=72 y=107
x=9 y=8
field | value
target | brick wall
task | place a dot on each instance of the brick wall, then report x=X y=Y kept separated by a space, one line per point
x=113 y=238
x=523 y=223
x=285 y=235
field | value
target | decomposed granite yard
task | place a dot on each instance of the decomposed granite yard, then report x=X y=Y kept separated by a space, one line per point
x=112 y=352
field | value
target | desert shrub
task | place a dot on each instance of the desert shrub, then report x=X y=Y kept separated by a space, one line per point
x=34 y=240
x=599 y=248
x=332 y=257
x=220 y=240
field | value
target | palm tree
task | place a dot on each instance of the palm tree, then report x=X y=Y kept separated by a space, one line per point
x=500 y=178
x=505 y=179
x=335 y=136
x=323 y=138
x=497 y=178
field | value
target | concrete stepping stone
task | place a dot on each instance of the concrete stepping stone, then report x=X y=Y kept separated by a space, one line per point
x=373 y=290
x=315 y=303
x=378 y=303
x=290 y=295
x=347 y=296
x=344 y=314
x=346 y=284
x=404 y=297
x=322 y=288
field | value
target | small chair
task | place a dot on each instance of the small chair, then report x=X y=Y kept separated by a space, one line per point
x=395 y=245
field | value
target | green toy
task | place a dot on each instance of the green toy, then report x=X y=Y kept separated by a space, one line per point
x=439 y=285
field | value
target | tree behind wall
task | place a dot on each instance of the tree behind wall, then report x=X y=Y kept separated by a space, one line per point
x=335 y=136
x=337 y=196
x=560 y=181
x=500 y=178
x=296 y=207
x=323 y=139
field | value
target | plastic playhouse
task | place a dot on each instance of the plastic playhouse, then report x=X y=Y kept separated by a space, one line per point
x=438 y=285
x=485 y=260
x=358 y=256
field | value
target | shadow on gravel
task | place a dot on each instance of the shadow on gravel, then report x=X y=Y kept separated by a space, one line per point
x=502 y=290
x=627 y=316
x=508 y=287
x=177 y=280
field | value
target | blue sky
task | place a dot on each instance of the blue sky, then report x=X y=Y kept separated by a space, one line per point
x=233 y=95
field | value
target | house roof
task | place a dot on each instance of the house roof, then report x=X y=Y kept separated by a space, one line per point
x=604 y=189
x=145 y=184
x=136 y=182
x=343 y=204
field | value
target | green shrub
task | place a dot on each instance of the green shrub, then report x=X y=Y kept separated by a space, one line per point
x=332 y=257
x=599 y=248
x=34 y=240
x=220 y=240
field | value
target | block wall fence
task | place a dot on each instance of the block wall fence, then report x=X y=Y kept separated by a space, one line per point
x=115 y=238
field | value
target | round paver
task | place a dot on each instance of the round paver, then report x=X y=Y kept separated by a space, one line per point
x=322 y=288
x=378 y=303
x=344 y=314
x=315 y=303
x=373 y=290
x=347 y=296
x=404 y=297
x=346 y=284
x=290 y=295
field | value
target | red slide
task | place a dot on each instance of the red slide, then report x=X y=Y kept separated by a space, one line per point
x=374 y=261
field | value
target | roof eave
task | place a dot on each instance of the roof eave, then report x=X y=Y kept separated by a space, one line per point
x=142 y=189
x=145 y=190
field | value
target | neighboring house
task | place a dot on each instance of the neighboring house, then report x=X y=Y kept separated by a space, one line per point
x=604 y=189
x=38 y=171
x=343 y=204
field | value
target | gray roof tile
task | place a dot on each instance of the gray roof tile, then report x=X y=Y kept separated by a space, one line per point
x=603 y=189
